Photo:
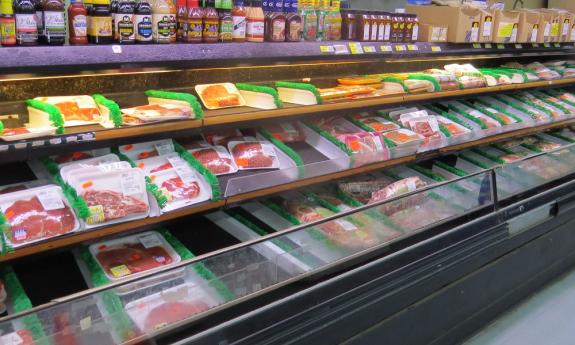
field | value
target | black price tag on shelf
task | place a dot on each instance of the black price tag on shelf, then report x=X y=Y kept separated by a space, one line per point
x=369 y=49
x=326 y=49
x=340 y=49
x=386 y=49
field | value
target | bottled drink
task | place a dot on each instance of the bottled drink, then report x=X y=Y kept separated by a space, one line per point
x=143 y=22
x=77 y=23
x=195 y=21
x=239 y=21
x=54 y=21
x=26 y=26
x=211 y=23
x=124 y=32
x=101 y=22
x=164 y=21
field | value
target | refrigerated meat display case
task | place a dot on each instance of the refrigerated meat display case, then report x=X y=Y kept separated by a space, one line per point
x=415 y=232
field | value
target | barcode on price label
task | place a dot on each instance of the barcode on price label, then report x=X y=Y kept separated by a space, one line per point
x=435 y=48
x=400 y=48
x=355 y=48
x=150 y=241
x=50 y=199
x=164 y=147
x=131 y=183
x=385 y=48
x=369 y=49
x=326 y=49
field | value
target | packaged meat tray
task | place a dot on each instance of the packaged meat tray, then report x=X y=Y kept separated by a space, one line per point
x=426 y=212
x=158 y=163
x=363 y=187
x=79 y=155
x=254 y=155
x=286 y=132
x=216 y=158
x=217 y=96
x=181 y=185
x=518 y=108
x=376 y=123
x=76 y=111
x=155 y=113
x=398 y=188
x=22 y=133
x=222 y=137
x=148 y=149
x=21 y=337
x=73 y=167
x=37 y=213
x=458 y=133
x=557 y=112
x=407 y=142
x=112 y=196
x=121 y=257
x=426 y=126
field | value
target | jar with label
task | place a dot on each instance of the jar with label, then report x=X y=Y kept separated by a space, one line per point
x=408 y=28
x=374 y=29
x=26 y=27
x=40 y=18
x=255 y=22
x=211 y=28
x=143 y=21
x=226 y=26
x=195 y=21
x=335 y=19
x=239 y=21
x=77 y=23
x=164 y=21
x=395 y=24
x=7 y=24
x=293 y=21
x=348 y=25
x=124 y=20
x=101 y=23
x=363 y=25
x=182 y=20
x=54 y=22
x=276 y=23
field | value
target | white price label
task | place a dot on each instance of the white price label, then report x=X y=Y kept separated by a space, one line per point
x=150 y=241
x=86 y=323
x=385 y=48
x=37 y=143
x=55 y=141
x=131 y=183
x=11 y=339
x=183 y=170
x=369 y=49
x=71 y=139
x=346 y=225
x=3 y=147
x=20 y=146
x=355 y=48
x=164 y=147
x=326 y=49
x=340 y=49
x=116 y=49
x=50 y=199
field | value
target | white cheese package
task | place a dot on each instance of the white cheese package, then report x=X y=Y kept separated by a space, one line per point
x=249 y=155
x=112 y=196
x=36 y=214
x=217 y=159
x=147 y=149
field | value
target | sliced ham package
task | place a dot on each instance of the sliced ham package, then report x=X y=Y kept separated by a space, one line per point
x=148 y=149
x=37 y=213
x=250 y=155
x=216 y=158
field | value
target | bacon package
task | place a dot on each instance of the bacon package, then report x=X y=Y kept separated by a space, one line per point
x=254 y=155
x=286 y=132
x=155 y=113
x=216 y=158
x=37 y=213
x=148 y=149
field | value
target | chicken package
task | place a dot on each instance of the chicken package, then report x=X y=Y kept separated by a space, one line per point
x=148 y=149
x=124 y=256
x=157 y=163
x=376 y=123
x=155 y=113
x=217 y=96
x=286 y=132
x=216 y=158
x=344 y=232
x=112 y=196
x=76 y=110
x=222 y=137
x=362 y=188
x=250 y=155
x=182 y=186
x=37 y=213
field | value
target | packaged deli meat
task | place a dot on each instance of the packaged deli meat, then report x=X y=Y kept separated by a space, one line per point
x=216 y=158
x=286 y=132
x=124 y=256
x=148 y=149
x=82 y=109
x=155 y=113
x=37 y=213
x=253 y=155
x=112 y=195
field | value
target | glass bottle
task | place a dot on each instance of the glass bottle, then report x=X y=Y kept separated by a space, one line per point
x=143 y=21
x=26 y=26
x=293 y=21
x=163 y=21
x=211 y=23
x=226 y=22
x=182 y=19
x=309 y=18
x=255 y=26
x=195 y=21
x=77 y=23
x=276 y=23
x=54 y=19
x=239 y=21
x=7 y=24
x=101 y=23
x=124 y=32
x=39 y=19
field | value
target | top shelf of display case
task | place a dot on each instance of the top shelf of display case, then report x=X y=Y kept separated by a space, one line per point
x=74 y=58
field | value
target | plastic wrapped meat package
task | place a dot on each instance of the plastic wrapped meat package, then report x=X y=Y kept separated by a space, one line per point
x=78 y=155
x=567 y=108
x=543 y=71
x=21 y=337
x=182 y=186
x=458 y=132
x=398 y=188
x=556 y=113
x=222 y=137
x=76 y=110
x=514 y=104
x=425 y=125
x=255 y=154
x=37 y=213
x=155 y=113
x=108 y=161
x=362 y=188
x=286 y=132
x=216 y=158
x=376 y=123
x=217 y=96
x=407 y=142
x=112 y=195
x=22 y=133
x=157 y=163
x=148 y=149
x=428 y=210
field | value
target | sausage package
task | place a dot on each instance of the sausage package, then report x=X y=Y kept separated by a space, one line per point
x=255 y=154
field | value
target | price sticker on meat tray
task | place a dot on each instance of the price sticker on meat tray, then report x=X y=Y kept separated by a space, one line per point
x=164 y=147
x=50 y=199
x=131 y=183
x=150 y=241
x=182 y=168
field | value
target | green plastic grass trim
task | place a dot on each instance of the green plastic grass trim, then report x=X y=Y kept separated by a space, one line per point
x=295 y=157
x=330 y=137
x=489 y=156
x=5 y=235
x=465 y=114
x=262 y=89
x=562 y=137
x=97 y=275
x=396 y=80
x=553 y=104
x=113 y=108
x=427 y=172
x=179 y=96
x=199 y=167
x=54 y=114
x=1 y=127
x=531 y=104
x=485 y=112
x=522 y=72
x=498 y=108
x=506 y=150
x=301 y=86
x=449 y=168
x=447 y=115
x=444 y=130
x=436 y=85
x=517 y=107
x=21 y=302
x=76 y=201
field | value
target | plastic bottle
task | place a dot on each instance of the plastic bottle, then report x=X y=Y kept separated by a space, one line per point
x=101 y=23
x=211 y=23
x=239 y=21
x=255 y=26
x=182 y=19
x=164 y=21
x=7 y=24
x=143 y=22
x=309 y=17
x=77 y=23
x=293 y=21
x=195 y=19
x=125 y=32
x=226 y=22
x=26 y=26
x=54 y=19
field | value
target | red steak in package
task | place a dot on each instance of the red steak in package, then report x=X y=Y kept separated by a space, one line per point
x=253 y=155
x=216 y=158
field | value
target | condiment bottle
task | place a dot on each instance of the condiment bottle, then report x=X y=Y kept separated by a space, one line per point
x=26 y=26
x=363 y=26
x=113 y=11
x=39 y=18
x=77 y=23
x=226 y=22
x=164 y=21
x=54 y=22
x=101 y=22
x=293 y=21
x=195 y=21
x=239 y=21
x=143 y=22
x=415 y=29
x=125 y=32
x=401 y=30
x=408 y=31
x=211 y=23
x=348 y=25
x=321 y=13
x=255 y=22
x=182 y=20
x=276 y=23
x=384 y=30
x=394 y=27
x=7 y=24
x=309 y=18
x=374 y=26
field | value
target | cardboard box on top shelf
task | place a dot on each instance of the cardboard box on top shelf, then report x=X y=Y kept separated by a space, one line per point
x=486 y=26
x=528 y=26
x=462 y=23
x=506 y=26
x=565 y=22
x=432 y=33
x=568 y=5
x=555 y=28
x=544 y=33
